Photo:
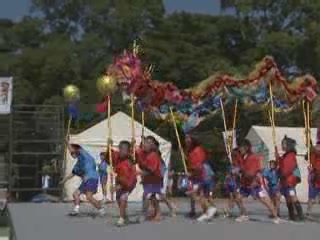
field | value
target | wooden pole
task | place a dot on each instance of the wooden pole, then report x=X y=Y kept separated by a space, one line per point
x=143 y=123
x=235 y=111
x=179 y=142
x=109 y=132
x=65 y=146
x=133 y=133
x=308 y=132
x=305 y=131
x=110 y=144
x=225 y=130
x=272 y=116
x=67 y=135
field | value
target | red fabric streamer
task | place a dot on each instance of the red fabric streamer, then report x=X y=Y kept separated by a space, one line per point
x=103 y=106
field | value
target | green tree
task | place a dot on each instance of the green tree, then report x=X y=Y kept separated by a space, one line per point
x=287 y=30
x=187 y=48
x=71 y=41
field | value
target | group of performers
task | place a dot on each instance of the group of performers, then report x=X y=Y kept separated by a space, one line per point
x=149 y=165
x=244 y=177
x=247 y=177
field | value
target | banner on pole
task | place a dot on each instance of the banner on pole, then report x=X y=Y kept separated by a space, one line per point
x=5 y=95
x=230 y=137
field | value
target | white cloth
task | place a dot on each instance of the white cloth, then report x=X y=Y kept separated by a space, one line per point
x=45 y=181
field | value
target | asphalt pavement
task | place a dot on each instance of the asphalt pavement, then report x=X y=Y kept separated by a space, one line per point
x=50 y=221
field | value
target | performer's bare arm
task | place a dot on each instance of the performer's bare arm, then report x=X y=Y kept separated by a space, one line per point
x=67 y=178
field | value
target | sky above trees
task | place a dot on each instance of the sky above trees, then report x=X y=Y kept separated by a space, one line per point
x=15 y=9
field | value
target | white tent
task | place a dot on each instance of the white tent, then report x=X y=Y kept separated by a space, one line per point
x=94 y=141
x=261 y=139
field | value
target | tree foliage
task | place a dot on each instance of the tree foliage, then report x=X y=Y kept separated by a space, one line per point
x=70 y=41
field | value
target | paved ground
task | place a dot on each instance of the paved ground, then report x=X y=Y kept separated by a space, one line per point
x=4 y=233
x=50 y=222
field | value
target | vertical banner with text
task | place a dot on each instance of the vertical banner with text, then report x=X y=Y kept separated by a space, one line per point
x=5 y=95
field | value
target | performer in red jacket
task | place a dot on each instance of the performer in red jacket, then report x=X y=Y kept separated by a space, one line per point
x=314 y=177
x=196 y=159
x=125 y=180
x=150 y=165
x=289 y=176
x=252 y=181
x=140 y=155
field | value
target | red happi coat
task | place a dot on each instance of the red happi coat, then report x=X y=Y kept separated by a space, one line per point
x=140 y=155
x=315 y=170
x=287 y=165
x=126 y=175
x=251 y=166
x=151 y=163
x=196 y=158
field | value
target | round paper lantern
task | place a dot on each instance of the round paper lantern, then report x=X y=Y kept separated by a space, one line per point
x=106 y=85
x=71 y=93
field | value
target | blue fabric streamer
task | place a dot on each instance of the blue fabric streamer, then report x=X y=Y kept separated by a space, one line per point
x=73 y=110
x=191 y=123
x=279 y=104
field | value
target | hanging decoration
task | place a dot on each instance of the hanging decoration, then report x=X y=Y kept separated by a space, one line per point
x=194 y=104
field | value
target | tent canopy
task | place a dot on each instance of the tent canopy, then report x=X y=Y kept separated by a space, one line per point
x=121 y=130
x=265 y=134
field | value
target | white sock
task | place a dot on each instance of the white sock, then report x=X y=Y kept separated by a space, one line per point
x=76 y=207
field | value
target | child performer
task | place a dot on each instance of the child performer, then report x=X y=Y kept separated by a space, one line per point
x=314 y=178
x=209 y=183
x=196 y=157
x=271 y=175
x=232 y=183
x=126 y=180
x=252 y=182
x=103 y=174
x=140 y=156
x=164 y=196
x=103 y=170
x=289 y=177
x=150 y=166
x=85 y=167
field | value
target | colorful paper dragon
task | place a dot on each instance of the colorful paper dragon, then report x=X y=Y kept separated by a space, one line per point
x=194 y=104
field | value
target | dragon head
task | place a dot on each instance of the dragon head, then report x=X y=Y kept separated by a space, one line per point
x=128 y=71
